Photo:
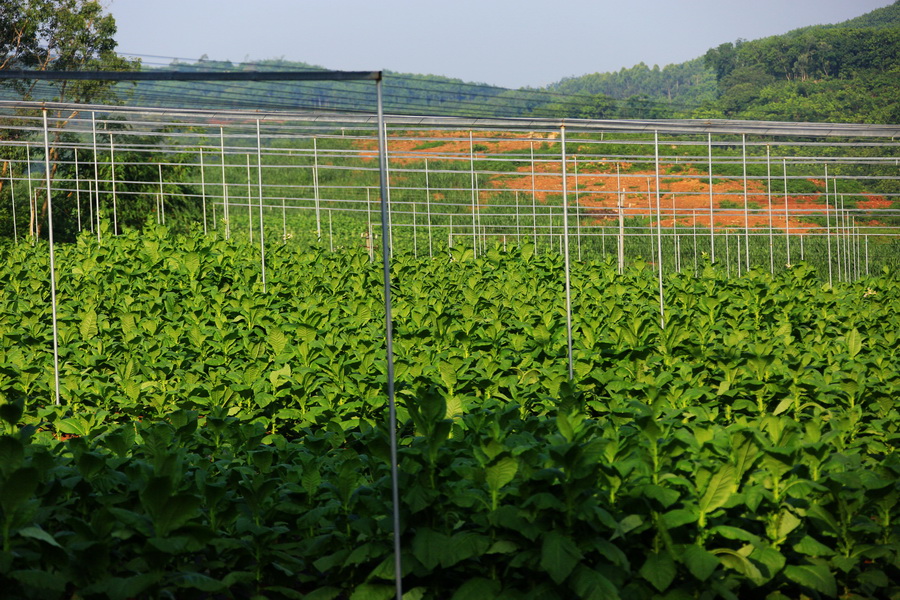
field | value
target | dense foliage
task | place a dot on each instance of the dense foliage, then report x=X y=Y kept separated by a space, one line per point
x=217 y=440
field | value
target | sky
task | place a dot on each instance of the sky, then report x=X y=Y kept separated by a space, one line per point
x=509 y=43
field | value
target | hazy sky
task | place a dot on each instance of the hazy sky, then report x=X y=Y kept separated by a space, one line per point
x=511 y=43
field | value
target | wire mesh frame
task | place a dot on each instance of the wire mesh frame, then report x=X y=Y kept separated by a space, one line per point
x=492 y=219
x=375 y=76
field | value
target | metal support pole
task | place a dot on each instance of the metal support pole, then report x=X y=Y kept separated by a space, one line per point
x=224 y=186
x=662 y=308
x=203 y=189
x=262 y=233
x=77 y=192
x=565 y=198
x=746 y=204
x=96 y=171
x=112 y=166
x=57 y=393
x=474 y=195
x=828 y=228
x=769 y=198
x=787 y=219
x=389 y=345
x=315 y=175
x=712 y=224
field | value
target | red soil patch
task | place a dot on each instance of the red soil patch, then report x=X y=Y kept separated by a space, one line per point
x=684 y=201
x=874 y=202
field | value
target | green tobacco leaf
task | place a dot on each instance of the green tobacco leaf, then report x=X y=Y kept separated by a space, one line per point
x=18 y=488
x=477 y=588
x=430 y=547
x=39 y=580
x=659 y=570
x=11 y=412
x=36 y=533
x=198 y=581
x=814 y=577
x=559 y=555
x=501 y=472
x=323 y=593
x=699 y=562
x=12 y=453
x=88 y=327
x=719 y=489
x=591 y=585
x=276 y=340
x=811 y=547
x=854 y=342
x=373 y=591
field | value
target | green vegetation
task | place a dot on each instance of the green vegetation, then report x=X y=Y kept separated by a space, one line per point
x=216 y=439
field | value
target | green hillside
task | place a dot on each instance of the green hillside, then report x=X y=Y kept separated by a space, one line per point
x=846 y=72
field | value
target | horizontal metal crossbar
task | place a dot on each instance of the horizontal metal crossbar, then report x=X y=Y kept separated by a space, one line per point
x=193 y=75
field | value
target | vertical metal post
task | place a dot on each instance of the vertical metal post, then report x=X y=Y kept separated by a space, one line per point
x=828 y=228
x=371 y=239
x=390 y=218
x=112 y=166
x=650 y=217
x=474 y=195
x=621 y=244
x=565 y=198
x=315 y=175
x=96 y=171
x=12 y=192
x=162 y=196
x=746 y=204
x=787 y=221
x=533 y=200
x=389 y=345
x=57 y=393
x=712 y=224
x=428 y=209
x=259 y=178
x=203 y=189
x=224 y=187
x=32 y=210
x=769 y=198
x=77 y=191
x=249 y=204
x=662 y=308
x=577 y=207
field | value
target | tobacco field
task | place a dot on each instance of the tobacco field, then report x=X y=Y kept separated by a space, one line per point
x=218 y=440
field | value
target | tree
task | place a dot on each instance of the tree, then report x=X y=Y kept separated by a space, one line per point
x=57 y=35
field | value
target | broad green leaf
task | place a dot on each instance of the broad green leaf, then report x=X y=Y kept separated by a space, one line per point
x=591 y=585
x=373 y=591
x=12 y=453
x=809 y=546
x=430 y=547
x=37 y=579
x=18 y=488
x=854 y=342
x=88 y=327
x=719 y=489
x=699 y=562
x=815 y=577
x=559 y=555
x=37 y=533
x=501 y=472
x=477 y=588
x=276 y=340
x=659 y=569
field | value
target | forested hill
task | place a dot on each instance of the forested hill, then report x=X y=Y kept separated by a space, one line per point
x=843 y=72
